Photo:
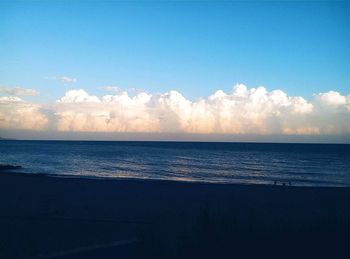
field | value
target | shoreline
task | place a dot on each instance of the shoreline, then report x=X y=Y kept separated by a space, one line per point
x=279 y=183
x=42 y=215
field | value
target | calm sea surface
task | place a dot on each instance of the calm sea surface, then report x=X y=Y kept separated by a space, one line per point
x=301 y=164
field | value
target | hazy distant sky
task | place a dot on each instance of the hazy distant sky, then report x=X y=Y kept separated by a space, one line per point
x=65 y=66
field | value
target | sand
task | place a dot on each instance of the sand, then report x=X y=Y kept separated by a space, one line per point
x=55 y=217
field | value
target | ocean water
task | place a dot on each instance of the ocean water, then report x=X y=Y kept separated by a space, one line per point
x=247 y=163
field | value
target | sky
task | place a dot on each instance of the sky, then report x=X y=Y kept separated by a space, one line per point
x=208 y=67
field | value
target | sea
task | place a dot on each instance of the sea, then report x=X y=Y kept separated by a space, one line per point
x=207 y=162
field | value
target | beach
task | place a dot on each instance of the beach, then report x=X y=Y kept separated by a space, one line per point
x=65 y=217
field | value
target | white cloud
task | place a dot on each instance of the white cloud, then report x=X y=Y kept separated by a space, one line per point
x=18 y=91
x=111 y=88
x=7 y=99
x=331 y=98
x=116 y=89
x=78 y=96
x=18 y=114
x=243 y=111
x=63 y=79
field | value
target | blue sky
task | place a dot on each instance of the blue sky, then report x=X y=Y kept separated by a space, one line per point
x=193 y=47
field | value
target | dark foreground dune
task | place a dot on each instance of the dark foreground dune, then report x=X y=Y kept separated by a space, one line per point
x=51 y=217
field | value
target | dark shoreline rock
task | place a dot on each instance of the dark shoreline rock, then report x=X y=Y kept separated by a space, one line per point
x=9 y=167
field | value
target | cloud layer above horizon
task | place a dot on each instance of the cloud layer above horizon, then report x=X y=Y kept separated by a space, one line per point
x=243 y=111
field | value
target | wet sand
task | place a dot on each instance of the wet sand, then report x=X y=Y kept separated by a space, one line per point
x=53 y=217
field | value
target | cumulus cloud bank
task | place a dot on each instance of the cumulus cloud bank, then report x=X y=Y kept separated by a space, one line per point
x=17 y=114
x=243 y=111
